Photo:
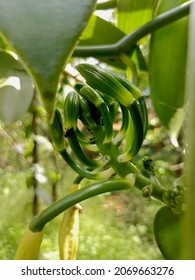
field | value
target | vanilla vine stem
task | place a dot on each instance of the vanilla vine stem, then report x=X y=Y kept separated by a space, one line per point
x=127 y=43
x=84 y=193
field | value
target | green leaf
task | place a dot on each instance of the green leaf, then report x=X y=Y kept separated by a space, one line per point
x=7 y=65
x=167 y=69
x=97 y=30
x=15 y=102
x=16 y=89
x=175 y=125
x=132 y=14
x=96 y=33
x=167 y=231
x=43 y=34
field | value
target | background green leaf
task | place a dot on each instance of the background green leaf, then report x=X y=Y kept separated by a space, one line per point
x=16 y=89
x=7 y=64
x=96 y=33
x=167 y=231
x=43 y=34
x=15 y=102
x=132 y=14
x=97 y=30
x=167 y=69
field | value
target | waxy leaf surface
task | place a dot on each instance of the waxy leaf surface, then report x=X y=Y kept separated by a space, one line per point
x=43 y=34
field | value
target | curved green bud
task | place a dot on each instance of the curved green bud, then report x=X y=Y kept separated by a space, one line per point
x=138 y=134
x=107 y=98
x=71 y=111
x=86 y=141
x=99 y=175
x=80 y=154
x=85 y=114
x=57 y=132
x=166 y=197
x=125 y=123
x=137 y=94
x=78 y=86
x=92 y=96
x=103 y=81
x=144 y=114
x=135 y=91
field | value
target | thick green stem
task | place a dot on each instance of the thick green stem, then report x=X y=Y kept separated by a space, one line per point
x=157 y=189
x=84 y=193
x=126 y=44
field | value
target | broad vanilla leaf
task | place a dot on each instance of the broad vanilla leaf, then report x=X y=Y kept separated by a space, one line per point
x=168 y=233
x=132 y=14
x=167 y=69
x=97 y=30
x=43 y=34
x=96 y=33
